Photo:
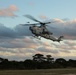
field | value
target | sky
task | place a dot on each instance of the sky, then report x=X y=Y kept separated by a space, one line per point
x=17 y=42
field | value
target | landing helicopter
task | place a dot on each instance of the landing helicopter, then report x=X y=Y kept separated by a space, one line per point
x=41 y=31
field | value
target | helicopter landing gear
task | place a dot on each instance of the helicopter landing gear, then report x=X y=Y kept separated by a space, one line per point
x=37 y=37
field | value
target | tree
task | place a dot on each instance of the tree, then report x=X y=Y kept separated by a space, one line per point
x=49 y=58
x=29 y=64
x=1 y=59
x=38 y=57
x=39 y=60
x=71 y=63
x=61 y=62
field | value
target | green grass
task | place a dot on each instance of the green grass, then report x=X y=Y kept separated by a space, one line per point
x=71 y=71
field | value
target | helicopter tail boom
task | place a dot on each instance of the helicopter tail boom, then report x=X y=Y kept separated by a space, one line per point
x=60 y=38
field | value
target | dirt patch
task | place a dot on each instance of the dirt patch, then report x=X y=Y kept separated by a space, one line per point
x=68 y=74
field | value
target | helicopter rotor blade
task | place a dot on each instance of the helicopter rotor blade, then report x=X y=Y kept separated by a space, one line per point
x=28 y=24
x=32 y=18
x=42 y=23
x=47 y=22
x=51 y=27
x=24 y=24
x=50 y=22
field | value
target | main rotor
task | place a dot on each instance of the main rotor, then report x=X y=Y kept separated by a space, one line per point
x=43 y=24
x=39 y=22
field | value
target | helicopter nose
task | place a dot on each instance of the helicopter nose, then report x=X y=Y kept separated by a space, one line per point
x=51 y=33
x=30 y=28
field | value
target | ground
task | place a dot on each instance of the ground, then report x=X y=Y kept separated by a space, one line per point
x=71 y=71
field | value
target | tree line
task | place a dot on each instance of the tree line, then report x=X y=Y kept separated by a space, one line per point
x=38 y=62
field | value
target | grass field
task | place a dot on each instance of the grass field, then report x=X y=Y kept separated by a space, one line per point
x=39 y=72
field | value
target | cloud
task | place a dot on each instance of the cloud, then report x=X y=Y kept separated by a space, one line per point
x=13 y=8
x=23 y=30
x=9 y=11
x=6 y=32
x=58 y=20
x=60 y=27
x=17 y=32
x=65 y=51
x=65 y=28
x=18 y=47
x=26 y=47
x=46 y=50
x=16 y=42
x=42 y=17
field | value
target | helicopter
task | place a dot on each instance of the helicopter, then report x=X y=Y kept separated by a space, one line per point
x=41 y=31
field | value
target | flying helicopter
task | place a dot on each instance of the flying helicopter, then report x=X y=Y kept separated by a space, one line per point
x=41 y=31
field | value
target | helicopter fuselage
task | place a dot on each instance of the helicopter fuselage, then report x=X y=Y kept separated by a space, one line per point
x=43 y=32
x=39 y=30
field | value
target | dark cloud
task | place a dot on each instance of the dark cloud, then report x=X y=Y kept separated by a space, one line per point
x=6 y=32
x=23 y=30
x=12 y=45
x=17 y=32
x=66 y=28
